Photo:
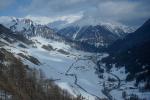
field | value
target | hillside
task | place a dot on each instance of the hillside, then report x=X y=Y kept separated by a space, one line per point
x=133 y=53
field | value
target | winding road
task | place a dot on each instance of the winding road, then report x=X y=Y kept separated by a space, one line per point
x=76 y=78
x=107 y=91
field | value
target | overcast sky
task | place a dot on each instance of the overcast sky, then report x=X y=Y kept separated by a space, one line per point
x=128 y=12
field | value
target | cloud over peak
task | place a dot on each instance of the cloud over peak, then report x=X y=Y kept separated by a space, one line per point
x=46 y=20
x=129 y=12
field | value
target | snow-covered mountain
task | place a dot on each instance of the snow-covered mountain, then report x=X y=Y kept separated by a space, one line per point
x=102 y=34
x=118 y=29
x=98 y=35
x=27 y=27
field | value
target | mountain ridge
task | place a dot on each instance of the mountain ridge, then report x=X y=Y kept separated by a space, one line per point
x=133 y=53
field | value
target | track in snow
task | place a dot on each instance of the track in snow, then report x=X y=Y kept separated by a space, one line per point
x=76 y=78
x=107 y=91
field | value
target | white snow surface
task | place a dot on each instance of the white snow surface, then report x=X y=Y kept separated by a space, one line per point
x=76 y=71
x=55 y=66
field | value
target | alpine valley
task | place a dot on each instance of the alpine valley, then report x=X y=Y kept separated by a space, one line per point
x=106 y=61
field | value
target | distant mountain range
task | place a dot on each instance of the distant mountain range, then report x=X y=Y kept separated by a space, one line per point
x=97 y=35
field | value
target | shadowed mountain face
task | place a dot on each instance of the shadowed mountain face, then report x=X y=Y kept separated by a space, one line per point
x=133 y=52
x=10 y=36
x=139 y=37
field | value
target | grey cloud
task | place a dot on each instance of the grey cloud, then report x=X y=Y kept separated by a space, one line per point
x=54 y=7
x=129 y=12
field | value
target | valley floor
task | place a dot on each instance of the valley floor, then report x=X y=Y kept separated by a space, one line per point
x=75 y=70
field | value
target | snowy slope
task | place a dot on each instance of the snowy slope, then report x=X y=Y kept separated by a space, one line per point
x=19 y=23
x=27 y=27
x=76 y=70
x=61 y=67
x=118 y=29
